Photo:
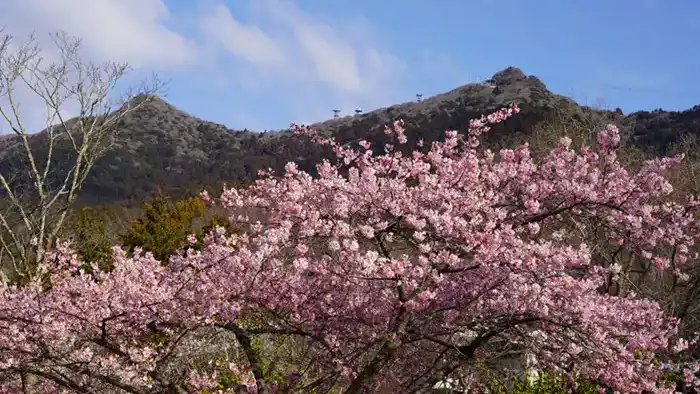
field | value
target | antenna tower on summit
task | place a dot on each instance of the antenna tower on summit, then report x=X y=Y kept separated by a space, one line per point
x=335 y=113
x=419 y=97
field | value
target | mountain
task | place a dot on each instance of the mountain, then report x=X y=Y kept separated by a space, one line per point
x=162 y=147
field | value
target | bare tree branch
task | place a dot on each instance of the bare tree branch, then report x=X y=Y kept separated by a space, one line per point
x=70 y=82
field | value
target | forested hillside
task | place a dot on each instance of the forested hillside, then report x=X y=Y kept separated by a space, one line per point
x=161 y=147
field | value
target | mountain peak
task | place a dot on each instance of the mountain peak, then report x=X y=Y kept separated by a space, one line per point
x=508 y=76
x=141 y=97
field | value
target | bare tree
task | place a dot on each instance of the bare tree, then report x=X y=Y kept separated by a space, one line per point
x=31 y=218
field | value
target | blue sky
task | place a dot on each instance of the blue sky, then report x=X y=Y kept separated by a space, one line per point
x=261 y=64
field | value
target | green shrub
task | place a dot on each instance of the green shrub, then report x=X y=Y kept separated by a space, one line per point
x=90 y=237
x=163 y=227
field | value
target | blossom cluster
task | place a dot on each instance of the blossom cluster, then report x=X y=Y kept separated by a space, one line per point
x=395 y=270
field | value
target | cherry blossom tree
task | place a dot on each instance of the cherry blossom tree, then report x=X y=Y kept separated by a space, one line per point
x=383 y=273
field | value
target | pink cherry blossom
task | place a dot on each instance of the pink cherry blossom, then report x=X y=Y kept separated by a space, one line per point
x=391 y=272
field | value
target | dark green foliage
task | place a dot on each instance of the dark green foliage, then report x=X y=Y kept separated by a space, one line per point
x=163 y=226
x=90 y=236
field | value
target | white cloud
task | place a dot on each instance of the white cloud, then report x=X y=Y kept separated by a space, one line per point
x=334 y=61
x=325 y=63
x=134 y=31
x=246 y=41
x=307 y=62
x=332 y=58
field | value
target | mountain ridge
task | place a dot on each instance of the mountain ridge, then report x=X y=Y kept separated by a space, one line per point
x=163 y=147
